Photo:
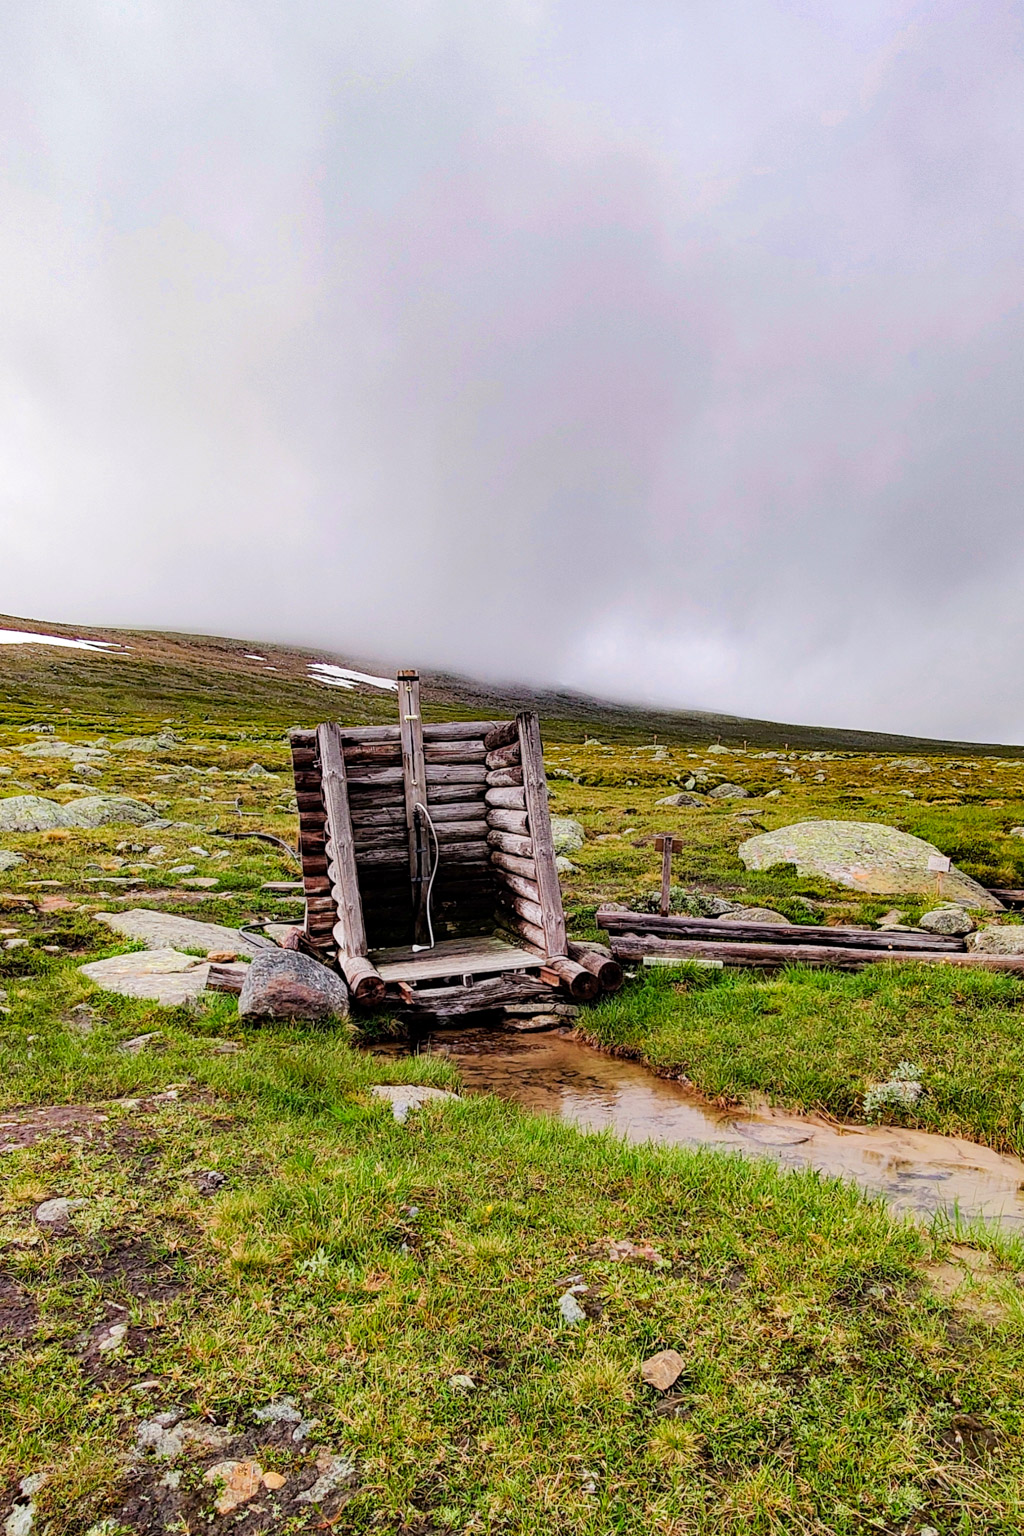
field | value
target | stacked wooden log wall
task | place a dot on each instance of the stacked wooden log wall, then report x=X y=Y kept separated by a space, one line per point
x=320 y=916
x=464 y=892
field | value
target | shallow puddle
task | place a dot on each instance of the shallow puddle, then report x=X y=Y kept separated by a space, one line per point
x=918 y=1172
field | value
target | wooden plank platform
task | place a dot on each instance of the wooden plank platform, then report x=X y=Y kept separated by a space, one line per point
x=483 y=955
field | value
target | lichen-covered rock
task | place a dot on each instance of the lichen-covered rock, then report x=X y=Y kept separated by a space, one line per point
x=865 y=855
x=567 y=834
x=683 y=798
x=999 y=941
x=949 y=920
x=283 y=984
x=106 y=811
x=31 y=813
x=729 y=792
x=9 y=860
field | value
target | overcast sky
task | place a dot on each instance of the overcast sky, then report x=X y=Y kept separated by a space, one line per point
x=667 y=348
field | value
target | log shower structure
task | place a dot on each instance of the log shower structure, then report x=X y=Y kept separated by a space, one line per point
x=428 y=864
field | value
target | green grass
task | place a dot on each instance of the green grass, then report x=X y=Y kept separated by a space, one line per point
x=832 y=1382
x=823 y=1382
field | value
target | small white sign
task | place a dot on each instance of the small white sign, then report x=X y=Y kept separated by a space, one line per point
x=938 y=863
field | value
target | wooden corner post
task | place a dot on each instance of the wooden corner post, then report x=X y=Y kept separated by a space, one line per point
x=535 y=788
x=414 y=775
x=349 y=930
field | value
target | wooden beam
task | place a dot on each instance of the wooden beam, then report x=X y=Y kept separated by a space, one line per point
x=350 y=931
x=634 y=946
x=720 y=930
x=414 y=778
x=543 y=851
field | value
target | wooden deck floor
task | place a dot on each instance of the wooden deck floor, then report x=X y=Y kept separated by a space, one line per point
x=479 y=956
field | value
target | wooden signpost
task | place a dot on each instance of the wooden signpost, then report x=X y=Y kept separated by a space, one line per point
x=666 y=845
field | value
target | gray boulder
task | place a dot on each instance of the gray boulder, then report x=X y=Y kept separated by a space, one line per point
x=730 y=792
x=683 y=798
x=865 y=855
x=9 y=860
x=107 y=810
x=999 y=941
x=568 y=835
x=31 y=813
x=73 y=751
x=1016 y=832
x=949 y=920
x=283 y=984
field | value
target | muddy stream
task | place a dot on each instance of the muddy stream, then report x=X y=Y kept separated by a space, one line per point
x=918 y=1172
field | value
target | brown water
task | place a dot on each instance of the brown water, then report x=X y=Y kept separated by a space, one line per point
x=919 y=1173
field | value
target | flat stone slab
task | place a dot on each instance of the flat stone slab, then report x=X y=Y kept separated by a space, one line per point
x=165 y=930
x=404 y=1097
x=163 y=975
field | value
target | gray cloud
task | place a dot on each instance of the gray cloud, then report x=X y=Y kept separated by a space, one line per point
x=674 y=352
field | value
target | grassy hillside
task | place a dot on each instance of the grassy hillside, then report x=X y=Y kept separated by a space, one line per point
x=196 y=678
x=255 y=1225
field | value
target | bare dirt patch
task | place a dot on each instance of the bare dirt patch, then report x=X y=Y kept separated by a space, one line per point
x=19 y=1315
x=24 y=1127
x=194 y=1474
x=969 y=1281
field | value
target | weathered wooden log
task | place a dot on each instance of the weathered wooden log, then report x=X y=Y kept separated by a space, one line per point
x=493 y=992
x=509 y=842
x=599 y=961
x=303 y=757
x=457 y=773
x=527 y=934
x=300 y=737
x=511 y=799
x=450 y=794
x=504 y=778
x=316 y=885
x=631 y=947
x=502 y=735
x=520 y=887
x=1009 y=898
x=455 y=752
x=378 y=754
x=377 y=816
x=361 y=776
x=580 y=984
x=394 y=815
x=365 y=982
x=436 y=773
x=514 y=865
x=455 y=853
x=505 y=757
x=530 y=911
x=225 y=978
x=460 y=831
x=509 y=821
x=720 y=930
